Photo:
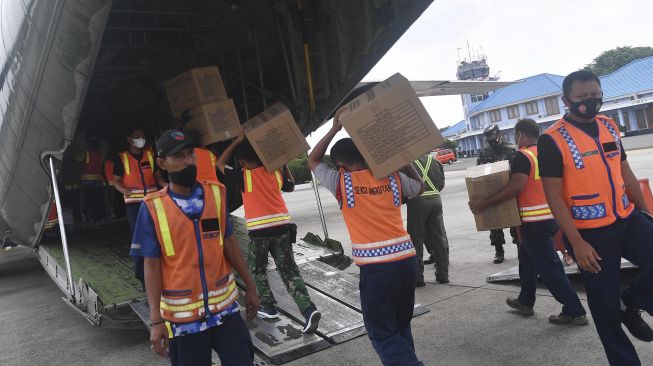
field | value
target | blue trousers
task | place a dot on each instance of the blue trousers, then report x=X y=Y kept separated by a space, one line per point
x=131 y=211
x=387 y=300
x=537 y=256
x=632 y=239
x=230 y=340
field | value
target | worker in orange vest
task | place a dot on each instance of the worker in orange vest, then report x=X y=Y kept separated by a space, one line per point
x=381 y=246
x=596 y=199
x=185 y=234
x=271 y=231
x=92 y=182
x=134 y=177
x=133 y=174
x=537 y=256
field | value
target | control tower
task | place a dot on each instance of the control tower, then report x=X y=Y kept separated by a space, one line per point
x=473 y=67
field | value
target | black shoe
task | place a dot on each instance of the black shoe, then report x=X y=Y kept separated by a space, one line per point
x=431 y=260
x=420 y=283
x=442 y=280
x=498 y=258
x=312 y=319
x=632 y=319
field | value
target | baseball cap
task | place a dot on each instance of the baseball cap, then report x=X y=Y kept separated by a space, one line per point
x=173 y=141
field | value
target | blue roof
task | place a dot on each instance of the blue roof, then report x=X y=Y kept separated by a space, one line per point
x=635 y=77
x=528 y=88
x=455 y=129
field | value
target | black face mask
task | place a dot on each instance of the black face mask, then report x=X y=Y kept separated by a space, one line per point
x=590 y=107
x=185 y=178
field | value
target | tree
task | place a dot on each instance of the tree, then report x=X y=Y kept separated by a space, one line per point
x=299 y=168
x=450 y=144
x=613 y=59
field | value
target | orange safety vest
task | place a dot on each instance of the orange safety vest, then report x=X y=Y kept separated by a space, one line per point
x=108 y=171
x=197 y=279
x=92 y=166
x=206 y=161
x=372 y=212
x=262 y=200
x=139 y=175
x=593 y=186
x=532 y=200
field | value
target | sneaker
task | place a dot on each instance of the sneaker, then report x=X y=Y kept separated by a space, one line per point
x=632 y=319
x=312 y=317
x=420 y=283
x=268 y=313
x=498 y=258
x=431 y=260
x=566 y=319
x=523 y=309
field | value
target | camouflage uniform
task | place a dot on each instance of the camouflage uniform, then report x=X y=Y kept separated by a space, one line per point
x=280 y=247
x=492 y=154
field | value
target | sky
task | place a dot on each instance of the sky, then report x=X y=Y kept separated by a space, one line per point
x=521 y=38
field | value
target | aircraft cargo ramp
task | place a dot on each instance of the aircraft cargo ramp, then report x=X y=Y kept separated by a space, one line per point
x=111 y=297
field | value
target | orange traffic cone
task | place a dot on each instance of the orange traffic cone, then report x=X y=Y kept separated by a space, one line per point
x=646 y=192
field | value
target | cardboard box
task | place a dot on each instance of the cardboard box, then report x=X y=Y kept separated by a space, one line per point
x=214 y=122
x=275 y=137
x=194 y=88
x=484 y=181
x=390 y=126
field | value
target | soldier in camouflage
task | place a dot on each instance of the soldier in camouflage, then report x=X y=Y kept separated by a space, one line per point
x=498 y=150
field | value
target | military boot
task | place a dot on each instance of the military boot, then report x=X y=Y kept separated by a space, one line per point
x=499 y=254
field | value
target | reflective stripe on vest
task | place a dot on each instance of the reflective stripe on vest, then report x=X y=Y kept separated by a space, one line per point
x=532 y=200
x=217 y=297
x=535 y=162
x=425 y=177
x=164 y=227
x=535 y=213
x=218 y=205
x=125 y=161
x=248 y=179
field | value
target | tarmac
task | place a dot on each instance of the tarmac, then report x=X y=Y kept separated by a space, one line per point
x=468 y=323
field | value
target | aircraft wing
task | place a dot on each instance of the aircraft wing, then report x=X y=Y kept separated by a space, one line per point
x=431 y=88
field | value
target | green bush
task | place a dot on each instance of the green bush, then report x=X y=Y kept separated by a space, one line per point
x=299 y=168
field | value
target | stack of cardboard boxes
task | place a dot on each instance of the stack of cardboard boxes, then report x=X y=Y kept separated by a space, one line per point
x=201 y=92
x=274 y=134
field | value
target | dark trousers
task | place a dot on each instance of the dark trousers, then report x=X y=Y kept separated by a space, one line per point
x=387 y=300
x=230 y=340
x=94 y=204
x=632 y=239
x=131 y=210
x=538 y=257
x=426 y=228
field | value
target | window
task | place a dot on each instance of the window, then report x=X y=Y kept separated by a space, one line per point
x=495 y=115
x=552 y=106
x=531 y=108
x=626 y=120
x=615 y=117
x=513 y=111
x=479 y=97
